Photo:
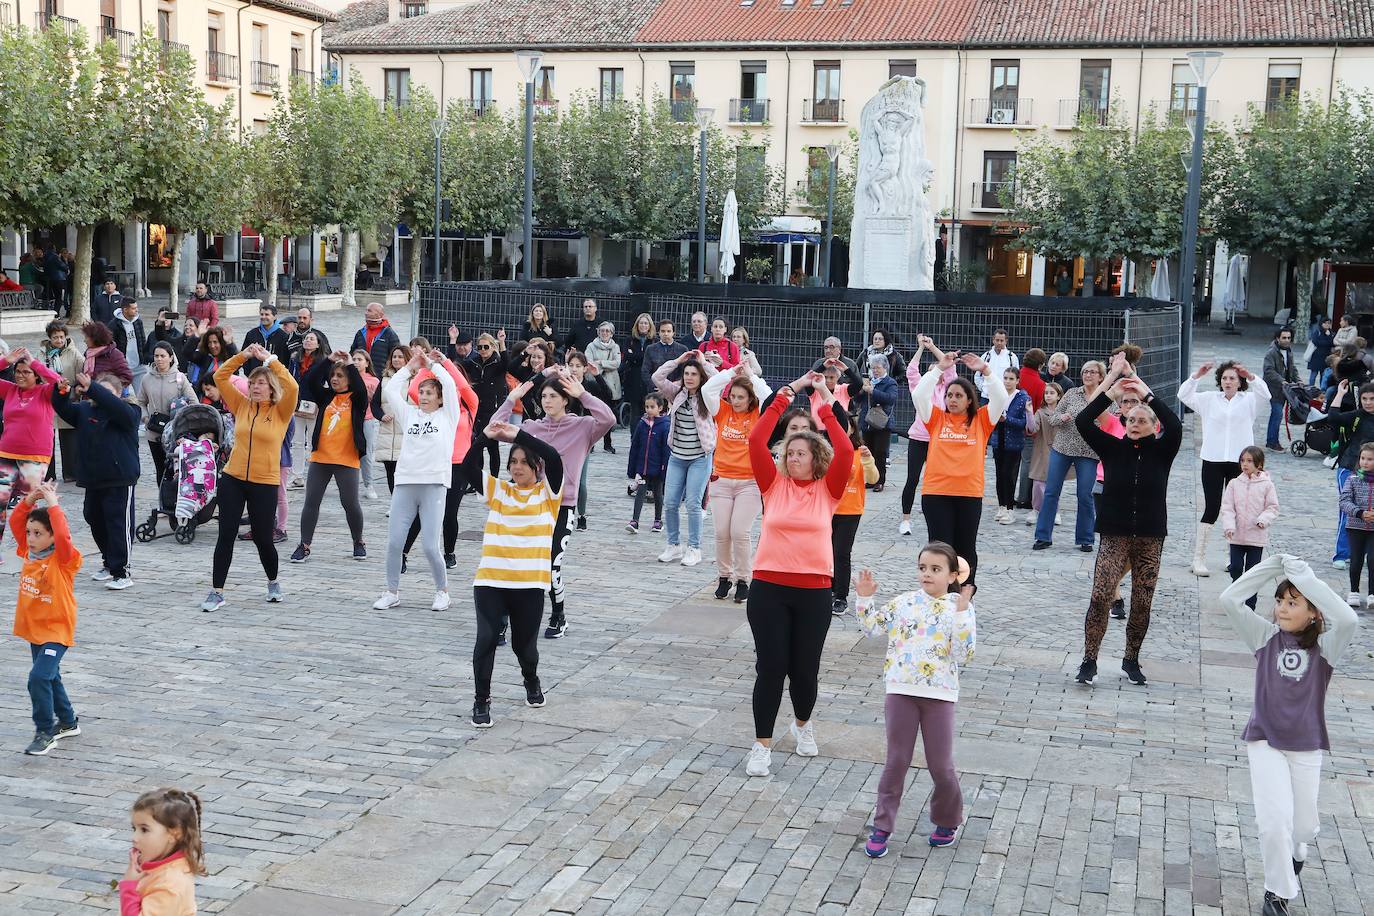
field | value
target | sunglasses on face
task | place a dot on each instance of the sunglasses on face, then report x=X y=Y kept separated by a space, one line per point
x=484 y=346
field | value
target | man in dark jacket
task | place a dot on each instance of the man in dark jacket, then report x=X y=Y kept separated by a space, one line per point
x=269 y=334
x=55 y=276
x=583 y=331
x=375 y=336
x=660 y=352
x=1280 y=367
x=130 y=340
x=106 y=467
x=106 y=303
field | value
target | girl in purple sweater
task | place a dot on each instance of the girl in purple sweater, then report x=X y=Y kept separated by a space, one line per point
x=26 y=443
x=1295 y=652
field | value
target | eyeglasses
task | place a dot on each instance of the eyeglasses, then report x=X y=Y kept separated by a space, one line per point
x=484 y=346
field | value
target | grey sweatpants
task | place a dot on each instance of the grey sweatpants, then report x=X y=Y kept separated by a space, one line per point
x=408 y=500
x=317 y=477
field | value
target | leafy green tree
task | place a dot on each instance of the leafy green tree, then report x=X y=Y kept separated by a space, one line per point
x=483 y=172
x=414 y=141
x=272 y=169
x=1297 y=185
x=814 y=196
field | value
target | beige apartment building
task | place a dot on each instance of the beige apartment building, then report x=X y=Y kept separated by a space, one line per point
x=798 y=72
x=243 y=52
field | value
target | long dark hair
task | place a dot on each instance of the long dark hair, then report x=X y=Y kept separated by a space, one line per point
x=216 y=332
x=972 y=393
x=1307 y=637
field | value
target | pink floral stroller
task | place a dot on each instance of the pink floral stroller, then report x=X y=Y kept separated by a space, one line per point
x=198 y=439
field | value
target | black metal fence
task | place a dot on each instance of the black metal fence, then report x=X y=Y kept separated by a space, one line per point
x=786 y=325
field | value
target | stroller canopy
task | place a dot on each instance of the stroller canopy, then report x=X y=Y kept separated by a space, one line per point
x=191 y=421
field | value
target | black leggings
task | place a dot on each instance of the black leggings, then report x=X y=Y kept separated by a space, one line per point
x=843 y=528
x=159 y=459
x=561 y=535
x=1361 y=556
x=525 y=608
x=789 y=626
x=390 y=475
x=878 y=442
x=1243 y=556
x=652 y=485
x=261 y=500
x=1215 y=476
x=915 y=460
x=453 y=499
x=317 y=478
x=1007 y=464
x=954 y=520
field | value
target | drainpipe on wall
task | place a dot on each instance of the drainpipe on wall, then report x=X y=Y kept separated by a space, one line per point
x=643 y=73
x=1139 y=90
x=1331 y=83
x=443 y=98
x=314 y=64
x=242 y=61
x=955 y=242
x=786 y=122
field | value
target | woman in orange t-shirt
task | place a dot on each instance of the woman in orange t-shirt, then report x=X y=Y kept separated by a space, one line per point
x=959 y=431
x=337 y=447
x=733 y=398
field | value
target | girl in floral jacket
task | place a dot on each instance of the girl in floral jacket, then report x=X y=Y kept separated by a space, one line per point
x=930 y=635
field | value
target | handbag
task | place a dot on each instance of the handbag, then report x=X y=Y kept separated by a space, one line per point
x=877 y=418
x=157 y=423
x=307 y=410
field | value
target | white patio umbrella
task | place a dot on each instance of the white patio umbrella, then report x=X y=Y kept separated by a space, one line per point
x=729 y=236
x=1233 y=300
x=1159 y=287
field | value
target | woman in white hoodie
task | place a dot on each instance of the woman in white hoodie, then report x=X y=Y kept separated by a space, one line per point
x=163 y=384
x=424 y=471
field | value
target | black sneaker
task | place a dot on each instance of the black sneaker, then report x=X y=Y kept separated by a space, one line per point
x=1119 y=609
x=404 y=563
x=1297 y=867
x=534 y=694
x=1274 y=905
x=278 y=537
x=450 y=561
x=360 y=551
x=1042 y=545
x=556 y=628
x=1086 y=548
x=1087 y=672
x=481 y=713
x=838 y=606
x=301 y=554
x=1131 y=668
x=722 y=587
x=71 y=731
x=501 y=637
x=40 y=745
x=610 y=449
x=741 y=592
x=582 y=523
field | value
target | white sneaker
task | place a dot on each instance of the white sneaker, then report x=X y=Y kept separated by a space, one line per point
x=1369 y=601
x=905 y=527
x=1057 y=520
x=370 y=493
x=1008 y=516
x=1340 y=564
x=1031 y=518
x=441 y=601
x=388 y=600
x=691 y=556
x=102 y=575
x=759 y=758
x=119 y=584
x=1352 y=599
x=672 y=554
x=805 y=738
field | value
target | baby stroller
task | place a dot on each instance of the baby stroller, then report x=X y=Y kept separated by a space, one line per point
x=1300 y=403
x=186 y=492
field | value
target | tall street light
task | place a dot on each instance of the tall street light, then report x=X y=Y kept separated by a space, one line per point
x=703 y=119
x=832 y=151
x=528 y=62
x=438 y=125
x=1204 y=64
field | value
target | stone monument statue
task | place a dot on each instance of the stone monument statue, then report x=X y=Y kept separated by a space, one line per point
x=892 y=239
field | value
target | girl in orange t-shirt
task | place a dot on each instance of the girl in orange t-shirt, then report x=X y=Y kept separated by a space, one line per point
x=733 y=398
x=959 y=430
x=337 y=446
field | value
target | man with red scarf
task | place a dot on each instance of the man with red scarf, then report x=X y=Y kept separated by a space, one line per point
x=376 y=336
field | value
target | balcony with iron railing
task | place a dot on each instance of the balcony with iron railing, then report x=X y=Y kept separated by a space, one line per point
x=475 y=108
x=1002 y=112
x=748 y=111
x=44 y=20
x=305 y=77
x=170 y=47
x=682 y=109
x=987 y=195
x=221 y=67
x=1180 y=109
x=264 y=76
x=1075 y=112
x=609 y=104
x=546 y=108
x=123 y=41
x=822 y=111
x=6 y=14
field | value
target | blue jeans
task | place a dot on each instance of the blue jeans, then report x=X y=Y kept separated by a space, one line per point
x=1271 y=434
x=50 y=704
x=1085 y=473
x=1342 y=542
x=686 y=479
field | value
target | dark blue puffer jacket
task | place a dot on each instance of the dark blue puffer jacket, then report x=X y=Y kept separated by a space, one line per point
x=106 y=437
x=1010 y=432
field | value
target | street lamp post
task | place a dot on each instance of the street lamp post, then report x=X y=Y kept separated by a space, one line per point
x=529 y=68
x=438 y=125
x=832 y=151
x=1204 y=64
x=703 y=119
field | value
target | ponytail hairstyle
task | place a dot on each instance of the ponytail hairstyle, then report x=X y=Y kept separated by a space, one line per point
x=973 y=406
x=179 y=811
x=948 y=554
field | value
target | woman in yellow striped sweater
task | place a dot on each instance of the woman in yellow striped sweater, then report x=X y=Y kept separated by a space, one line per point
x=516 y=565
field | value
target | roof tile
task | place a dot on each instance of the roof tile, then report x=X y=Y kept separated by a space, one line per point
x=507 y=24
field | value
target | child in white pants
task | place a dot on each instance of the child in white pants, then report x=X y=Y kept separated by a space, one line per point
x=1295 y=651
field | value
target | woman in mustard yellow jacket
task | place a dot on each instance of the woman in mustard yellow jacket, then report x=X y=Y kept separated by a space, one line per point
x=253 y=473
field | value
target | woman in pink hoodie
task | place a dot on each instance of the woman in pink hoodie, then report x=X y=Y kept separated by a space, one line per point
x=26 y=444
x=1248 y=507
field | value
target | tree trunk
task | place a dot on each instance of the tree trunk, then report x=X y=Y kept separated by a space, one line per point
x=81 y=282
x=175 y=239
x=1144 y=276
x=273 y=246
x=1089 y=277
x=348 y=250
x=595 y=247
x=417 y=252
x=1302 y=309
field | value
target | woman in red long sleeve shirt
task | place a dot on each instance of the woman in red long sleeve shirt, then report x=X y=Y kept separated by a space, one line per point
x=789 y=599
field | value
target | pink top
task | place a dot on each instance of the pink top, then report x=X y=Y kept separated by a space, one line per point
x=918 y=429
x=370 y=382
x=462 y=435
x=1112 y=426
x=28 y=415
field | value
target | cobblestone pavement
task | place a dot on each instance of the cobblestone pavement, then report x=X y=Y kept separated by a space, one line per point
x=340 y=775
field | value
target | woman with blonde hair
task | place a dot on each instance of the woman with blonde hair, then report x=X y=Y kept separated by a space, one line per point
x=740 y=335
x=537 y=324
x=642 y=333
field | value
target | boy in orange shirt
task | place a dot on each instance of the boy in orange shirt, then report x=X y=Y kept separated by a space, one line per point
x=45 y=615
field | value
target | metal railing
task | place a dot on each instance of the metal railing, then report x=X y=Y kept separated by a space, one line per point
x=1073 y=112
x=305 y=76
x=999 y=112
x=546 y=108
x=987 y=195
x=6 y=14
x=264 y=76
x=748 y=111
x=683 y=109
x=1184 y=109
x=44 y=20
x=170 y=47
x=124 y=41
x=609 y=104
x=823 y=111
x=221 y=67
x=475 y=108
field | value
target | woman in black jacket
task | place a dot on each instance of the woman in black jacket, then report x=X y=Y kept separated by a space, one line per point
x=642 y=334
x=337 y=446
x=1134 y=518
x=527 y=362
x=487 y=371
